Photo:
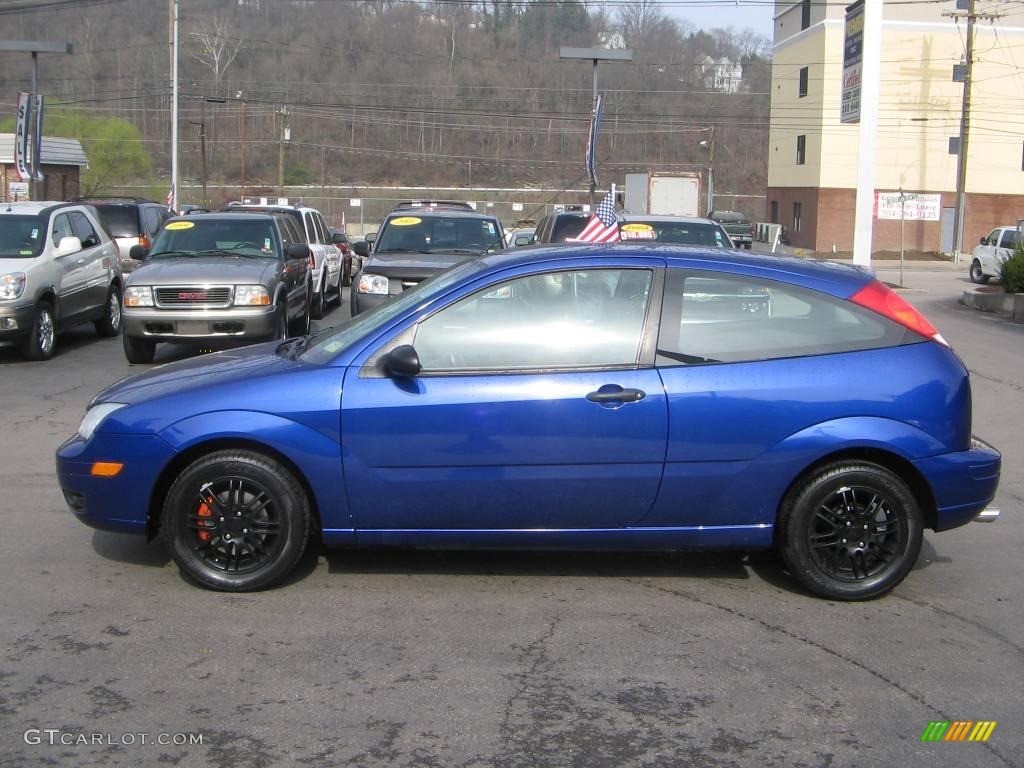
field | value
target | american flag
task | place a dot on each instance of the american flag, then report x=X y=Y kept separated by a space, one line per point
x=172 y=201
x=603 y=225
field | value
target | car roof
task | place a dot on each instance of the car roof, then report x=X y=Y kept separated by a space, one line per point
x=628 y=217
x=33 y=207
x=432 y=213
x=222 y=215
x=831 y=277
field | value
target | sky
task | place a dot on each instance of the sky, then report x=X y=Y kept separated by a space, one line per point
x=756 y=17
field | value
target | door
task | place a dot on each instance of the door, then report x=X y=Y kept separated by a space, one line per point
x=531 y=412
x=71 y=292
x=947 y=224
x=96 y=258
x=295 y=270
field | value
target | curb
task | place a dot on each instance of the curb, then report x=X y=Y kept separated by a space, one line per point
x=1007 y=304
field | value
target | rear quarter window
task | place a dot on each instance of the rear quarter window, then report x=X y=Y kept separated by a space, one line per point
x=718 y=318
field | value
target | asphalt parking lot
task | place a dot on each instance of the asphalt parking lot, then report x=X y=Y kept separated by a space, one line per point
x=512 y=659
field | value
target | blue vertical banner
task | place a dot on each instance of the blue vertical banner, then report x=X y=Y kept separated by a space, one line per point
x=21 y=134
x=595 y=125
x=37 y=136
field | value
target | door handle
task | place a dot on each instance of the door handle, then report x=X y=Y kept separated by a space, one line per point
x=80 y=261
x=613 y=393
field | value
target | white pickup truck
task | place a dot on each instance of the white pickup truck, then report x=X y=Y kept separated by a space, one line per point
x=987 y=258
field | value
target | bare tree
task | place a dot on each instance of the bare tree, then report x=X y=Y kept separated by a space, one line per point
x=217 y=49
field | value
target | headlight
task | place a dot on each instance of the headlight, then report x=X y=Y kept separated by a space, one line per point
x=95 y=416
x=138 y=296
x=373 y=284
x=12 y=285
x=251 y=296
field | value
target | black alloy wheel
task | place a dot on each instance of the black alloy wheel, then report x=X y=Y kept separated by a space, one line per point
x=850 y=531
x=236 y=521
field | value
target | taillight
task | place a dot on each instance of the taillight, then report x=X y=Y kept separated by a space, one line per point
x=877 y=297
x=312 y=261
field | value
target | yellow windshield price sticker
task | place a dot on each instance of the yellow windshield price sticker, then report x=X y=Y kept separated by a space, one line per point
x=406 y=221
x=175 y=225
x=636 y=228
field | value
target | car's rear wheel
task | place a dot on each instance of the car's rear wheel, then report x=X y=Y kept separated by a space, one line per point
x=138 y=350
x=301 y=325
x=850 y=531
x=346 y=278
x=317 y=306
x=110 y=323
x=42 y=338
x=977 y=273
x=236 y=521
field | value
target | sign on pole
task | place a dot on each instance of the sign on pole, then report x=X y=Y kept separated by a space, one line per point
x=37 y=136
x=853 y=49
x=21 y=134
x=908 y=205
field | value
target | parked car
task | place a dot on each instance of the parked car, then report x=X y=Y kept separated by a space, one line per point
x=558 y=398
x=679 y=230
x=410 y=248
x=561 y=225
x=218 y=277
x=517 y=238
x=130 y=221
x=58 y=268
x=325 y=259
x=739 y=227
x=350 y=261
x=994 y=249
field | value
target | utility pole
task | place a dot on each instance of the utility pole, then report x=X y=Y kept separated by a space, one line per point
x=201 y=122
x=241 y=153
x=282 y=138
x=710 y=144
x=965 y=9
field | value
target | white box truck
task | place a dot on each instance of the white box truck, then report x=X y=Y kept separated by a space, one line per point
x=663 y=194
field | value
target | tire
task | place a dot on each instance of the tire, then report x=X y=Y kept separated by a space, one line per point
x=317 y=304
x=110 y=324
x=42 y=338
x=748 y=246
x=977 y=273
x=236 y=521
x=280 y=332
x=138 y=350
x=820 y=515
x=302 y=324
x=346 y=278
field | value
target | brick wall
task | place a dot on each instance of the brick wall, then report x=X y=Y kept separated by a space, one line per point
x=62 y=181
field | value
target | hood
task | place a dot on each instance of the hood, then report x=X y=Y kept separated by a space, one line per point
x=414 y=265
x=192 y=270
x=194 y=373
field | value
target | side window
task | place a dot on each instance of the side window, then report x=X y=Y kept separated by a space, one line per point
x=993 y=237
x=288 y=233
x=557 y=320
x=1009 y=239
x=321 y=229
x=83 y=230
x=719 y=318
x=61 y=228
x=152 y=220
x=311 y=228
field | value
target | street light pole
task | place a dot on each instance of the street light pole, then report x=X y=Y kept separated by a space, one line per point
x=594 y=55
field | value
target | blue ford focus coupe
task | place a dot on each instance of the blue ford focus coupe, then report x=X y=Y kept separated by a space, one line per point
x=590 y=397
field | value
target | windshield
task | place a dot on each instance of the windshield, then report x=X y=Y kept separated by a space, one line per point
x=21 y=236
x=678 y=232
x=331 y=342
x=254 y=237
x=435 y=234
x=121 y=220
x=566 y=227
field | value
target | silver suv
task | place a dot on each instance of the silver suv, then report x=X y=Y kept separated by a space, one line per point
x=58 y=268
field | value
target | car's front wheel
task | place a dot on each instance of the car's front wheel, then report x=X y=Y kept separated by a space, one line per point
x=850 y=531
x=236 y=521
x=42 y=338
x=138 y=350
x=977 y=273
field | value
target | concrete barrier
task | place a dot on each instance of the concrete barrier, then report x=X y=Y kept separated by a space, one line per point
x=1009 y=304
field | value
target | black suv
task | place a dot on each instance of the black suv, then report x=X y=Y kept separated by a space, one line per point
x=558 y=226
x=130 y=221
x=417 y=242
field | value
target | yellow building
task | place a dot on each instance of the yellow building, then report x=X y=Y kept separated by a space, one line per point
x=812 y=166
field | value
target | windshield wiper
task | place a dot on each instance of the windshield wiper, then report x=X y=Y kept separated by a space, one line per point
x=169 y=253
x=458 y=250
x=228 y=252
x=402 y=250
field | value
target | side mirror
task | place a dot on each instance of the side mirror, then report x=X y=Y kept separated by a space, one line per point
x=138 y=252
x=298 y=251
x=362 y=248
x=371 y=238
x=984 y=241
x=338 y=238
x=403 y=362
x=67 y=245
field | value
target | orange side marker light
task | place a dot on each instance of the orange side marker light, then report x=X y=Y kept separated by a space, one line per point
x=106 y=469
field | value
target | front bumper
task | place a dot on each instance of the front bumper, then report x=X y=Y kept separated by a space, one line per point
x=118 y=503
x=963 y=483
x=363 y=302
x=16 y=321
x=254 y=323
